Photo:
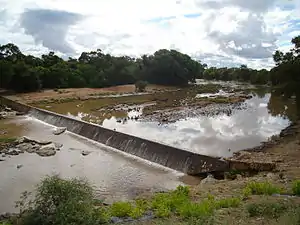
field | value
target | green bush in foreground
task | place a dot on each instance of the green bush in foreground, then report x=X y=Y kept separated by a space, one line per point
x=121 y=209
x=260 y=188
x=61 y=201
x=296 y=187
x=268 y=209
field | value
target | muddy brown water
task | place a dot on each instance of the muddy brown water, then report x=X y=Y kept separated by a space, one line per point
x=114 y=176
x=256 y=120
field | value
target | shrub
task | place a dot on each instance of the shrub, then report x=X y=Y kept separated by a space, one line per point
x=61 y=201
x=197 y=210
x=228 y=203
x=140 y=86
x=261 y=188
x=296 y=187
x=121 y=209
x=272 y=210
x=165 y=203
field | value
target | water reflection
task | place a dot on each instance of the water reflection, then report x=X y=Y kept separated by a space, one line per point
x=258 y=119
x=219 y=135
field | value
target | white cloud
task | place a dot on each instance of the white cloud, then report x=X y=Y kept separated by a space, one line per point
x=219 y=32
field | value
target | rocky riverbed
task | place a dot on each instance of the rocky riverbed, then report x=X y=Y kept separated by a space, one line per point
x=25 y=144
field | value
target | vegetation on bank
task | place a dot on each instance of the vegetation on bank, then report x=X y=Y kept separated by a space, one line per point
x=23 y=73
x=67 y=202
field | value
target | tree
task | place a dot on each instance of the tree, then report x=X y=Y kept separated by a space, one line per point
x=286 y=74
x=140 y=86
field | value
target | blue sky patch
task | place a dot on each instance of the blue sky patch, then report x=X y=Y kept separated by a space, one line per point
x=192 y=15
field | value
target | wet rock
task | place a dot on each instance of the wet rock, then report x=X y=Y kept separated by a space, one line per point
x=85 y=153
x=7 y=114
x=13 y=151
x=58 y=145
x=19 y=166
x=40 y=142
x=26 y=147
x=209 y=180
x=59 y=130
x=20 y=113
x=47 y=150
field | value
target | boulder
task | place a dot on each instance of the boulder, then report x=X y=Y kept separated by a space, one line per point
x=13 y=151
x=209 y=180
x=59 y=130
x=40 y=142
x=47 y=150
x=85 y=153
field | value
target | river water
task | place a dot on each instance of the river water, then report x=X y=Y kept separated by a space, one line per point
x=221 y=134
x=115 y=176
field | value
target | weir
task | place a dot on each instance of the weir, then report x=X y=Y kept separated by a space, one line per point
x=178 y=159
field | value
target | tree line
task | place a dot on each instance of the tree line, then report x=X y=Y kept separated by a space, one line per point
x=24 y=73
x=96 y=69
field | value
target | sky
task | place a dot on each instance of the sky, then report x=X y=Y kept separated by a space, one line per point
x=217 y=32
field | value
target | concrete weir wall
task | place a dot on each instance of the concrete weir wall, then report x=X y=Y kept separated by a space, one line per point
x=174 y=158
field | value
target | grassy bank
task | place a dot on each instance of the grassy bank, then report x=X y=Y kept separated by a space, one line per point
x=60 y=201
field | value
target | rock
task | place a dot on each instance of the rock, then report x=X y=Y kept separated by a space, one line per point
x=19 y=166
x=239 y=177
x=272 y=176
x=3 y=155
x=20 y=113
x=25 y=147
x=13 y=151
x=209 y=180
x=115 y=219
x=85 y=153
x=47 y=150
x=40 y=142
x=59 y=130
x=2 y=160
x=58 y=145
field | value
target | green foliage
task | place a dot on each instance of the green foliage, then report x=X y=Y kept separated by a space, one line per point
x=208 y=88
x=296 y=187
x=121 y=209
x=260 y=188
x=164 y=204
x=286 y=73
x=61 y=201
x=228 y=202
x=93 y=69
x=7 y=140
x=268 y=209
x=5 y=223
x=197 y=210
x=140 y=86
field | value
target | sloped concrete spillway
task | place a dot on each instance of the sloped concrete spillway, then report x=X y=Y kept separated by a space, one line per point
x=171 y=157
